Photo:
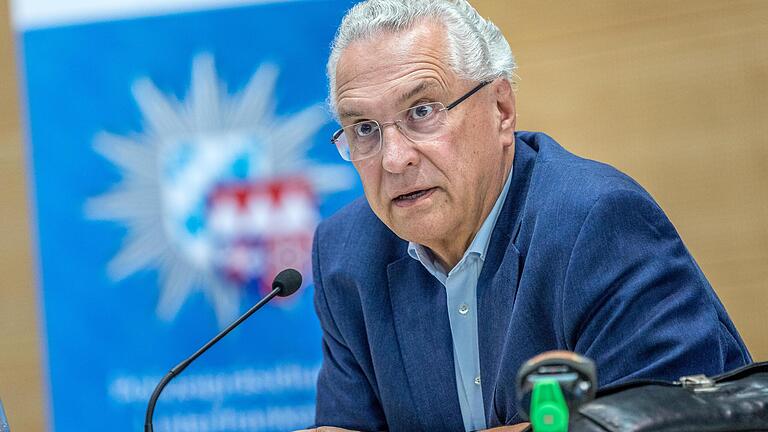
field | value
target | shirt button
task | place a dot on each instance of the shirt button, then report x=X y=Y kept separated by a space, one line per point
x=477 y=380
x=463 y=309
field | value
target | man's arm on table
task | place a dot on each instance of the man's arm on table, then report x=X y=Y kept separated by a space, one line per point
x=343 y=388
x=636 y=303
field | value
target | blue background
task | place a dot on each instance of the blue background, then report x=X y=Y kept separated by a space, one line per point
x=78 y=83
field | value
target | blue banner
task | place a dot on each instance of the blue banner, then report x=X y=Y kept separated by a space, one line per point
x=179 y=162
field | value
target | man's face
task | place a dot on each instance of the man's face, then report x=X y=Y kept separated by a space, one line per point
x=435 y=193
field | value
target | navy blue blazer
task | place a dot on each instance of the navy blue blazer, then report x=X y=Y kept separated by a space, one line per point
x=581 y=259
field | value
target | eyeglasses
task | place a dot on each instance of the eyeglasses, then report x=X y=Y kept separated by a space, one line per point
x=420 y=123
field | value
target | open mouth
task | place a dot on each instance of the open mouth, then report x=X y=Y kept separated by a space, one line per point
x=413 y=196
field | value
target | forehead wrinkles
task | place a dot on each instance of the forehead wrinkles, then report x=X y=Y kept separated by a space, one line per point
x=391 y=89
x=376 y=66
x=376 y=72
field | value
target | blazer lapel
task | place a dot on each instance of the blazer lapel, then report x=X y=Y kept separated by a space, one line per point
x=424 y=336
x=498 y=282
x=496 y=299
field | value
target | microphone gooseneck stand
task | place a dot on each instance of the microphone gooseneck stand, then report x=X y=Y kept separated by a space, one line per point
x=285 y=284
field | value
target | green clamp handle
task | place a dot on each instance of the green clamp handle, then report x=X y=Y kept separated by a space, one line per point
x=549 y=412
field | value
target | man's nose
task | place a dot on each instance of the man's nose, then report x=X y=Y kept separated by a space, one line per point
x=398 y=151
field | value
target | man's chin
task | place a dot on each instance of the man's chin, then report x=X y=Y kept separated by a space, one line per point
x=420 y=224
x=417 y=230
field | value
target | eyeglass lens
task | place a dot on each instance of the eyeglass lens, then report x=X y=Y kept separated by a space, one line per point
x=420 y=123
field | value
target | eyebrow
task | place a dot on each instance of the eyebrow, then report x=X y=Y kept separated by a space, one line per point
x=419 y=88
x=347 y=114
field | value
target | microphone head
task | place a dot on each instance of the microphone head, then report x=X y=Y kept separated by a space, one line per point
x=288 y=280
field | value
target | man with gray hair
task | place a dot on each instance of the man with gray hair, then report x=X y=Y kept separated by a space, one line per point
x=478 y=246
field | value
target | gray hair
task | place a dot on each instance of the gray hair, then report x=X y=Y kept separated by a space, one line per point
x=477 y=49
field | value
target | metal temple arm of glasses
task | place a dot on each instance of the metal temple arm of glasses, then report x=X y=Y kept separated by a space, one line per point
x=468 y=94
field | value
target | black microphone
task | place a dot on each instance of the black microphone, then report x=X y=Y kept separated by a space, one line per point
x=285 y=283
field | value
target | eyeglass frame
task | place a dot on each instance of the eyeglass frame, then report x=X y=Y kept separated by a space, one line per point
x=336 y=135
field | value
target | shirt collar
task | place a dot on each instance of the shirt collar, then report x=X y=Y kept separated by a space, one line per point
x=480 y=243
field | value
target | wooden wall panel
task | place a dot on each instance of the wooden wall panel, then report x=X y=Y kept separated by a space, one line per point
x=675 y=93
x=20 y=344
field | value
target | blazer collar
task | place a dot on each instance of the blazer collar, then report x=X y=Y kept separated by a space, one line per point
x=508 y=223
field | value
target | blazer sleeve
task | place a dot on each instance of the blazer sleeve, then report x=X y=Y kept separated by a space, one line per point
x=635 y=301
x=345 y=396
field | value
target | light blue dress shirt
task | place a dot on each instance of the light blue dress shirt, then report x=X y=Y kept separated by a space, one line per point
x=461 y=291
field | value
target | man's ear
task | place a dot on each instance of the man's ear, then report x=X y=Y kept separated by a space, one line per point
x=506 y=109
